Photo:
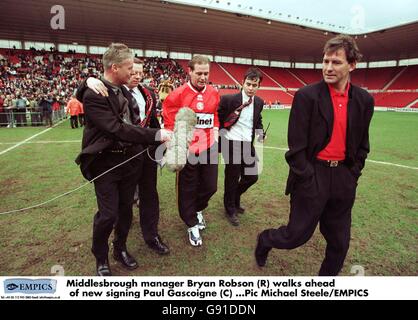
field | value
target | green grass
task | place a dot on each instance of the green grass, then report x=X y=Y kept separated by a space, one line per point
x=384 y=228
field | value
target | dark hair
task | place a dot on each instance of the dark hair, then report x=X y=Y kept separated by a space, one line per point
x=198 y=59
x=343 y=41
x=253 y=74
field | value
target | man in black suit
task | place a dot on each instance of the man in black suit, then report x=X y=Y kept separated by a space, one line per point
x=328 y=139
x=240 y=117
x=110 y=138
x=144 y=107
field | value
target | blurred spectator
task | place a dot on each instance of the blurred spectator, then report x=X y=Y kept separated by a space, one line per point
x=73 y=109
x=45 y=105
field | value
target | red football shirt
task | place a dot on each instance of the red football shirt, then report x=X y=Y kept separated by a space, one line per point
x=335 y=150
x=204 y=103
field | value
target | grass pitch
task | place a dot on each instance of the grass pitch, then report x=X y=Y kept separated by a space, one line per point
x=384 y=227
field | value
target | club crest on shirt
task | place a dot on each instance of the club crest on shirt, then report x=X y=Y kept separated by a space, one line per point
x=200 y=106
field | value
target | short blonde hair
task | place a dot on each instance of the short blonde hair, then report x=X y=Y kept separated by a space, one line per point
x=116 y=54
x=198 y=59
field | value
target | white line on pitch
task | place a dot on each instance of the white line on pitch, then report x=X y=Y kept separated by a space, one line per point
x=30 y=138
x=46 y=142
x=265 y=147
x=369 y=160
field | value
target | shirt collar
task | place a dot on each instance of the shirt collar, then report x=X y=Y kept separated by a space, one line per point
x=245 y=98
x=334 y=93
x=114 y=88
x=134 y=89
x=194 y=89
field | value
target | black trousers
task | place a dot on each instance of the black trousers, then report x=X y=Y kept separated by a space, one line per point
x=81 y=119
x=74 y=122
x=114 y=194
x=149 y=205
x=241 y=172
x=326 y=198
x=196 y=183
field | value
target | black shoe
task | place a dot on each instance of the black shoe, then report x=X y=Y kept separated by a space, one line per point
x=233 y=219
x=158 y=245
x=261 y=252
x=240 y=209
x=103 y=268
x=125 y=258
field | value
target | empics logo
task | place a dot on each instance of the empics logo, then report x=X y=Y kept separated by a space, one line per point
x=11 y=286
x=30 y=286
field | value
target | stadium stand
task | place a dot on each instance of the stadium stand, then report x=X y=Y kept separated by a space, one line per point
x=238 y=70
x=394 y=99
x=32 y=74
x=308 y=75
x=374 y=78
x=283 y=77
x=219 y=77
x=275 y=97
x=407 y=80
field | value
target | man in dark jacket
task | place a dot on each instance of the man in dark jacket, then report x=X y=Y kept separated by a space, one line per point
x=328 y=139
x=145 y=108
x=240 y=117
x=111 y=137
x=45 y=105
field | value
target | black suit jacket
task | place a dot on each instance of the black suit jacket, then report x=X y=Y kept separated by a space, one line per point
x=310 y=129
x=104 y=128
x=229 y=103
x=153 y=122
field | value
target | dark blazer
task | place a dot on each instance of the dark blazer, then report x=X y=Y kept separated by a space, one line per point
x=229 y=103
x=105 y=128
x=310 y=128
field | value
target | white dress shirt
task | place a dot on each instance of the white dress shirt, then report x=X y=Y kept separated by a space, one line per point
x=139 y=100
x=242 y=130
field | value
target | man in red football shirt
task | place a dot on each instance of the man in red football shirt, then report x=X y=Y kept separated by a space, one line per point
x=197 y=181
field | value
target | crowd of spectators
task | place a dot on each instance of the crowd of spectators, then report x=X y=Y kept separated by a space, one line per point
x=35 y=85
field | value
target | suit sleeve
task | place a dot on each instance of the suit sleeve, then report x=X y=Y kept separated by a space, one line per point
x=222 y=110
x=171 y=106
x=216 y=121
x=298 y=137
x=154 y=120
x=99 y=112
x=364 y=147
x=259 y=124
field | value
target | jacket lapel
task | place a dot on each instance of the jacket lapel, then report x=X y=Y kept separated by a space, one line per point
x=129 y=97
x=352 y=115
x=237 y=101
x=258 y=107
x=141 y=89
x=325 y=107
x=114 y=102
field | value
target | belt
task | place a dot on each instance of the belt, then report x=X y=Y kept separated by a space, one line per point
x=330 y=163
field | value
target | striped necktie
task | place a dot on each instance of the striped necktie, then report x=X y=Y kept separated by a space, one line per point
x=232 y=118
